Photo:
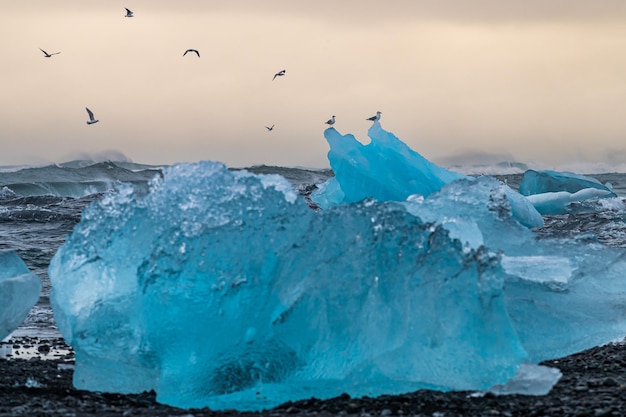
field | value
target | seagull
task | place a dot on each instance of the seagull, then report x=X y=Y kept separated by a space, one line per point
x=192 y=50
x=91 y=118
x=331 y=121
x=375 y=118
x=279 y=74
x=129 y=13
x=269 y=129
x=47 y=54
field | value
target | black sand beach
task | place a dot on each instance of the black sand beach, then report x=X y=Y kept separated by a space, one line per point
x=593 y=385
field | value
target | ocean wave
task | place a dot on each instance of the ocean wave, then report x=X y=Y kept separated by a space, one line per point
x=74 y=179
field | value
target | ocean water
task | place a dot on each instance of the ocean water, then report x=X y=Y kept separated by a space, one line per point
x=39 y=207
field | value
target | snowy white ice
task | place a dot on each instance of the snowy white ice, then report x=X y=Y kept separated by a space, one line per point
x=224 y=289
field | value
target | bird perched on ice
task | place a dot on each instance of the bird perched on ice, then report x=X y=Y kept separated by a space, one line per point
x=279 y=74
x=375 y=118
x=47 y=55
x=269 y=128
x=129 y=13
x=91 y=120
x=192 y=50
x=331 y=121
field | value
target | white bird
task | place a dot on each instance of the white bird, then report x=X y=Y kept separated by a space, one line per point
x=47 y=55
x=331 y=121
x=375 y=118
x=192 y=50
x=269 y=128
x=91 y=120
x=279 y=74
x=129 y=13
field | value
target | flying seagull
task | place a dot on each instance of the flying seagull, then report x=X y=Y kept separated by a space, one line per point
x=331 y=121
x=279 y=74
x=375 y=118
x=47 y=54
x=91 y=120
x=269 y=128
x=192 y=50
x=129 y=13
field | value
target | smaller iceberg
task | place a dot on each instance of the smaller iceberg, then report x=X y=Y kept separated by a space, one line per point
x=387 y=169
x=551 y=192
x=540 y=182
x=19 y=291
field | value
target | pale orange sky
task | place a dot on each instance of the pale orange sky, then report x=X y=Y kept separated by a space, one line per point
x=536 y=80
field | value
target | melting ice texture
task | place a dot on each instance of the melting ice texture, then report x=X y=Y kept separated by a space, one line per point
x=19 y=291
x=223 y=289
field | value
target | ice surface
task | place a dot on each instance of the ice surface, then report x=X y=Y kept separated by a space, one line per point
x=387 y=169
x=223 y=289
x=540 y=182
x=19 y=291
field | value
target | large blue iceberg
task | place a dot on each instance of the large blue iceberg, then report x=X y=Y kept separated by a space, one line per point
x=19 y=291
x=223 y=289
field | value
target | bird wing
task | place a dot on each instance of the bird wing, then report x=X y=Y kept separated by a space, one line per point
x=43 y=51
x=198 y=53
x=186 y=52
x=90 y=113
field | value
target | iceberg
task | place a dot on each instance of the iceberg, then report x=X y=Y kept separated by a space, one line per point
x=386 y=169
x=540 y=182
x=19 y=291
x=224 y=289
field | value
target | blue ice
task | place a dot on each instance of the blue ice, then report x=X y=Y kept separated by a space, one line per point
x=223 y=289
x=552 y=192
x=387 y=169
x=539 y=182
x=19 y=291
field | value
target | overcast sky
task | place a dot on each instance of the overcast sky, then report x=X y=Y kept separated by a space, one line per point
x=538 y=80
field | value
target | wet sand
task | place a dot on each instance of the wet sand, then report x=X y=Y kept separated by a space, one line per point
x=36 y=380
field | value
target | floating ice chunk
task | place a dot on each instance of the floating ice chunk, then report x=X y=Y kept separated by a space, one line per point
x=556 y=202
x=19 y=291
x=540 y=182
